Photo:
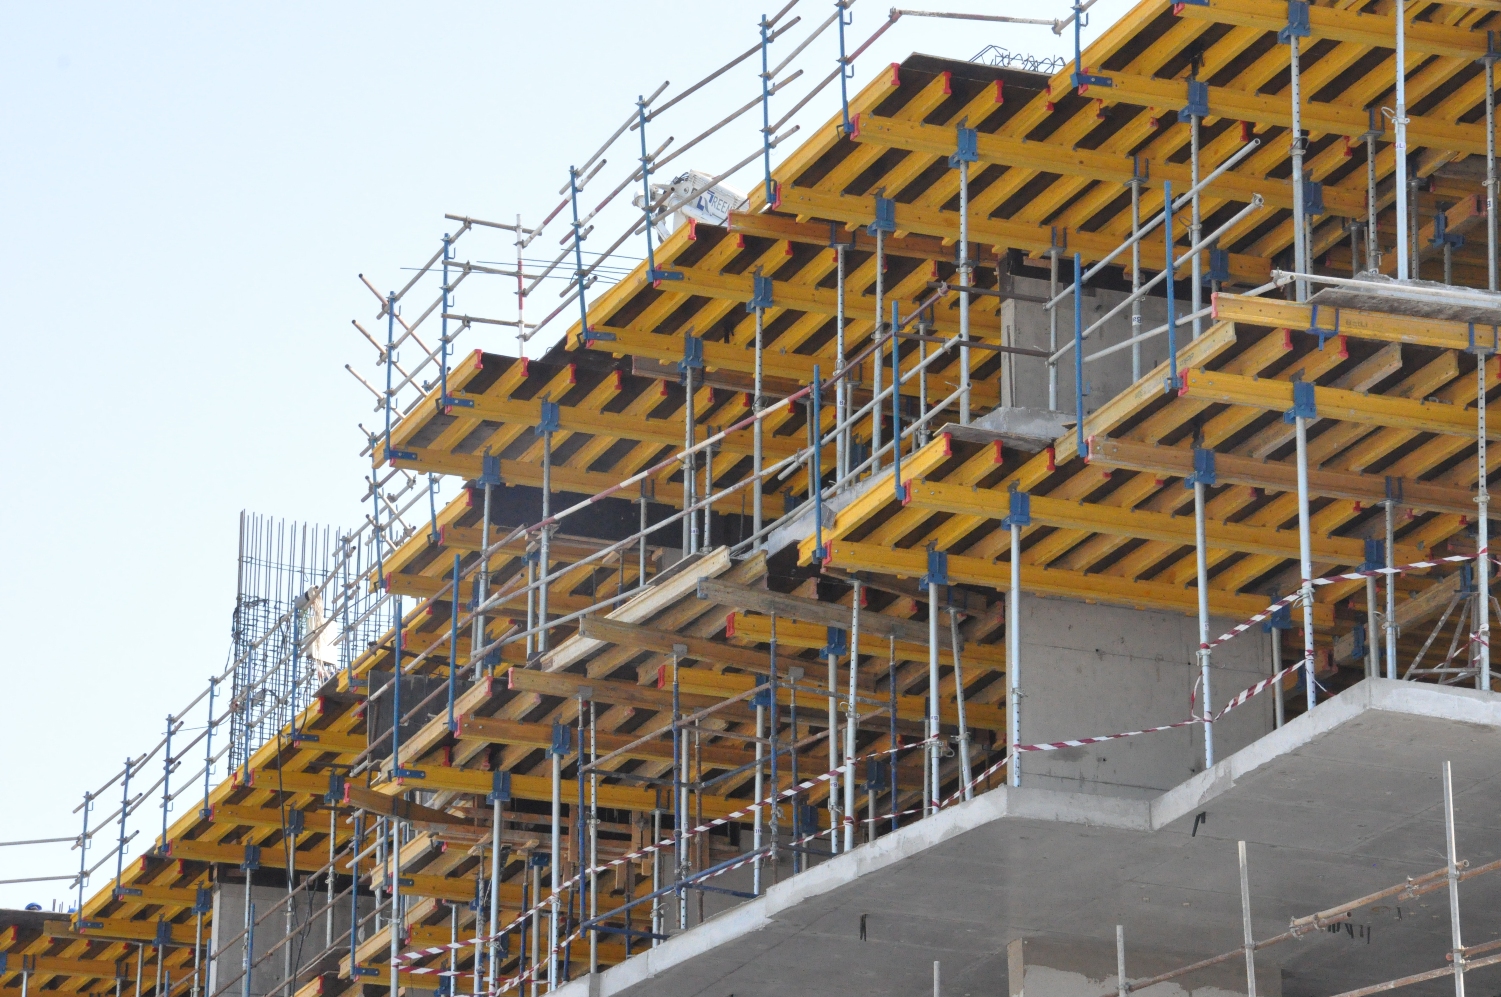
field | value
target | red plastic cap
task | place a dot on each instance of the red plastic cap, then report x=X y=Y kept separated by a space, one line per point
x=896 y=74
x=1000 y=91
x=729 y=625
x=998 y=457
x=948 y=79
x=1052 y=459
x=693 y=230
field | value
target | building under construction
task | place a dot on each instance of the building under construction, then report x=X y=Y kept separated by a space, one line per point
x=1035 y=541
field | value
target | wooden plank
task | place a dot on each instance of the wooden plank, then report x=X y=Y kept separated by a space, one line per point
x=633 y=636
x=975 y=657
x=811 y=610
x=639 y=608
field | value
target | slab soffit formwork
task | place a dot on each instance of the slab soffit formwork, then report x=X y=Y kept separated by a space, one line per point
x=1337 y=804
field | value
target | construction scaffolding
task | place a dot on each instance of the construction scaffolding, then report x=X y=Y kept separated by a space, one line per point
x=732 y=579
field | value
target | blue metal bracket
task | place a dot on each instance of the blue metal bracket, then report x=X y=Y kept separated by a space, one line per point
x=562 y=740
x=449 y=401
x=837 y=642
x=1304 y=406
x=762 y=296
x=549 y=421
x=296 y=822
x=1466 y=580
x=1358 y=651
x=875 y=776
x=393 y=454
x=163 y=936
x=693 y=354
x=335 y=795
x=1441 y=234
x=1203 y=473
x=1021 y=509
x=1198 y=102
x=1281 y=619
x=967 y=150
x=1219 y=266
x=1297 y=22
x=1375 y=555
x=885 y=216
x=762 y=696
x=938 y=569
x=538 y=860
x=364 y=971
x=203 y=901
x=500 y=788
x=252 y=858
x=490 y=469
x=1083 y=80
x=1313 y=197
x=1315 y=330
x=1393 y=489
x=409 y=773
x=589 y=336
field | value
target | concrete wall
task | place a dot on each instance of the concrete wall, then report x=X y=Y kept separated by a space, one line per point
x=1026 y=324
x=266 y=978
x=1095 y=670
x=1086 y=967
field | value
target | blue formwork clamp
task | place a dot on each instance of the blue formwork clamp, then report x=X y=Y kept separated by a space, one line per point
x=490 y=469
x=1281 y=618
x=562 y=740
x=203 y=900
x=1219 y=266
x=837 y=643
x=1203 y=472
x=252 y=858
x=1304 y=404
x=938 y=569
x=693 y=355
x=885 y=216
x=500 y=788
x=549 y=421
x=163 y=936
x=1297 y=22
x=1021 y=509
x=1375 y=555
x=762 y=696
x=761 y=297
x=967 y=147
x=1313 y=197
x=1198 y=102
x=875 y=776
x=1314 y=329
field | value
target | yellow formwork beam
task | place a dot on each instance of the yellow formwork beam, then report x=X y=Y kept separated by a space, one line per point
x=1087 y=517
x=1335 y=403
x=1345 y=25
x=1054 y=582
x=1354 y=322
x=756 y=627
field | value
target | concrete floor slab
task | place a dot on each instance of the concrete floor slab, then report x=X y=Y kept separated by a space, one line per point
x=1336 y=804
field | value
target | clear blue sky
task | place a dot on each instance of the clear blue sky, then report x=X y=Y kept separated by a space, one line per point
x=187 y=192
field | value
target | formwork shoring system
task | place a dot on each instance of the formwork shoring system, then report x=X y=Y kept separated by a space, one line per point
x=393 y=807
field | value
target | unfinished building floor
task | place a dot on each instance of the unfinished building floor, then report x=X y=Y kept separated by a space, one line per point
x=1335 y=805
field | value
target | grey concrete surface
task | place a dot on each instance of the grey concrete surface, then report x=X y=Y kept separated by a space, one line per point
x=1334 y=805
